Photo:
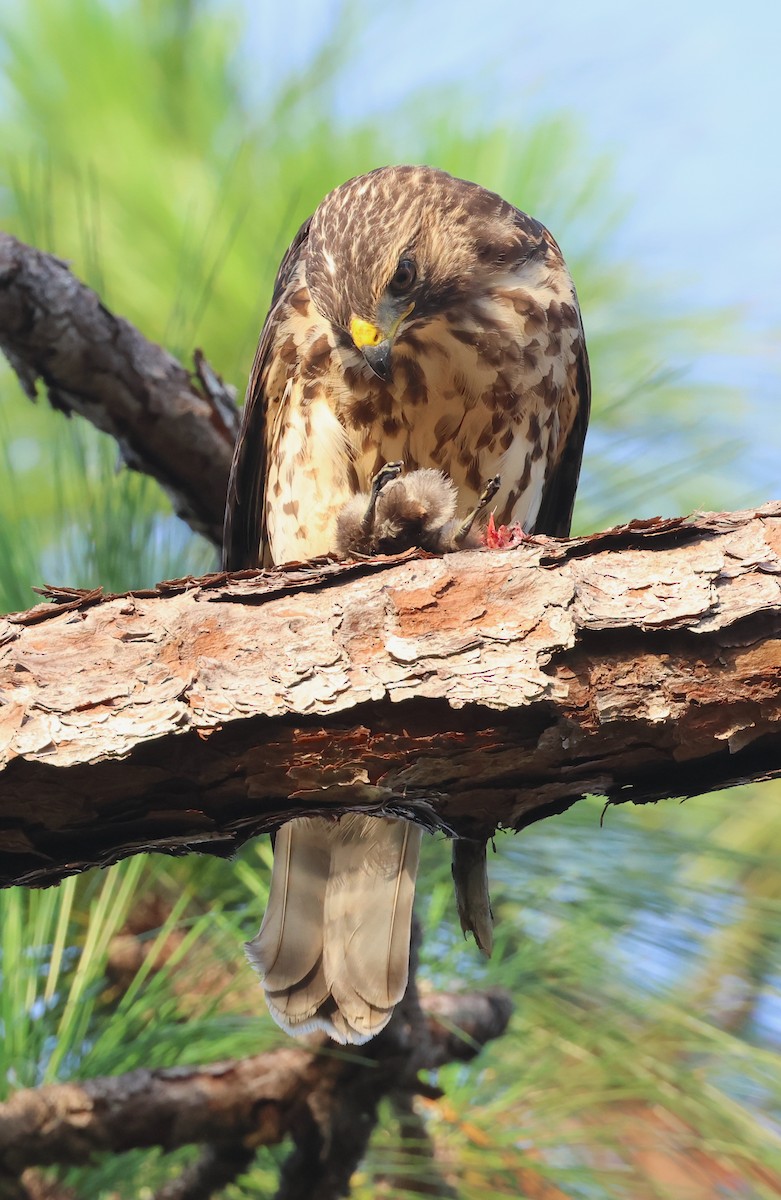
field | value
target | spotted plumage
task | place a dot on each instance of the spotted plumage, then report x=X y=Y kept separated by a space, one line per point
x=419 y=318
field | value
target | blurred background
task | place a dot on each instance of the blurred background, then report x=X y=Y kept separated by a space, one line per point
x=169 y=149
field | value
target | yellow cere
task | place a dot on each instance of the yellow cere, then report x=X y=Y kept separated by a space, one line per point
x=364 y=333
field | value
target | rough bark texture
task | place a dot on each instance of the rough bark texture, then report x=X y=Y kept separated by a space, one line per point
x=325 y=1099
x=479 y=690
x=95 y=364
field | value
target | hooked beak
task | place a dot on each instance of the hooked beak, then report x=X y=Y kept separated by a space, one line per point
x=378 y=358
x=374 y=344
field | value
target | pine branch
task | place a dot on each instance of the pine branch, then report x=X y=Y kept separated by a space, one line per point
x=479 y=690
x=171 y=424
x=249 y=1103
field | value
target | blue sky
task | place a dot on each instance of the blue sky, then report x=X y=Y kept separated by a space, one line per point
x=685 y=97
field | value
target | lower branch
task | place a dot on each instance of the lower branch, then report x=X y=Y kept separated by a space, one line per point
x=318 y=1097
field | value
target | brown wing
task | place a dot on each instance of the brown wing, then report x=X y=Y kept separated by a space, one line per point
x=245 y=521
x=558 y=497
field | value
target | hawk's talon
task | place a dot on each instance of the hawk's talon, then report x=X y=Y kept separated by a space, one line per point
x=386 y=474
x=485 y=498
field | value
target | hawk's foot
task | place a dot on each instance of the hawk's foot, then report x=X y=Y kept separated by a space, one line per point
x=483 y=500
x=416 y=510
x=386 y=473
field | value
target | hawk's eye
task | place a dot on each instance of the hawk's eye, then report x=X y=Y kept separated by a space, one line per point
x=406 y=274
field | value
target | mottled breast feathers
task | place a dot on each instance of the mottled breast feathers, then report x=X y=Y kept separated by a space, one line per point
x=488 y=364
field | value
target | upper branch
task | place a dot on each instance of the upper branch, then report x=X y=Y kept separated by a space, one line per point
x=93 y=363
x=472 y=691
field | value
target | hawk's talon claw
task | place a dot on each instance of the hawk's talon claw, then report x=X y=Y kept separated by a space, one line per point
x=386 y=474
x=488 y=492
x=485 y=497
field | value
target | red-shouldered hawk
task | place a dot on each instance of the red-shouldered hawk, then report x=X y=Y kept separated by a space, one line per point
x=415 y=318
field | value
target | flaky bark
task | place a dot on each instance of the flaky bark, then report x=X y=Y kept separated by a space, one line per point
x=479 y=690
x=54 y=328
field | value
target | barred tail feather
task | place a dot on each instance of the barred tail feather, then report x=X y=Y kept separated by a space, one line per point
x=333 y=949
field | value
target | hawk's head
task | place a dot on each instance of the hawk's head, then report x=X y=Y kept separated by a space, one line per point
x=403 y=244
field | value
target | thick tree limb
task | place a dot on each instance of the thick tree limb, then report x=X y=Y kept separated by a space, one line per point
x=479 y=690
x=248 y=1103
x=95 y=364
